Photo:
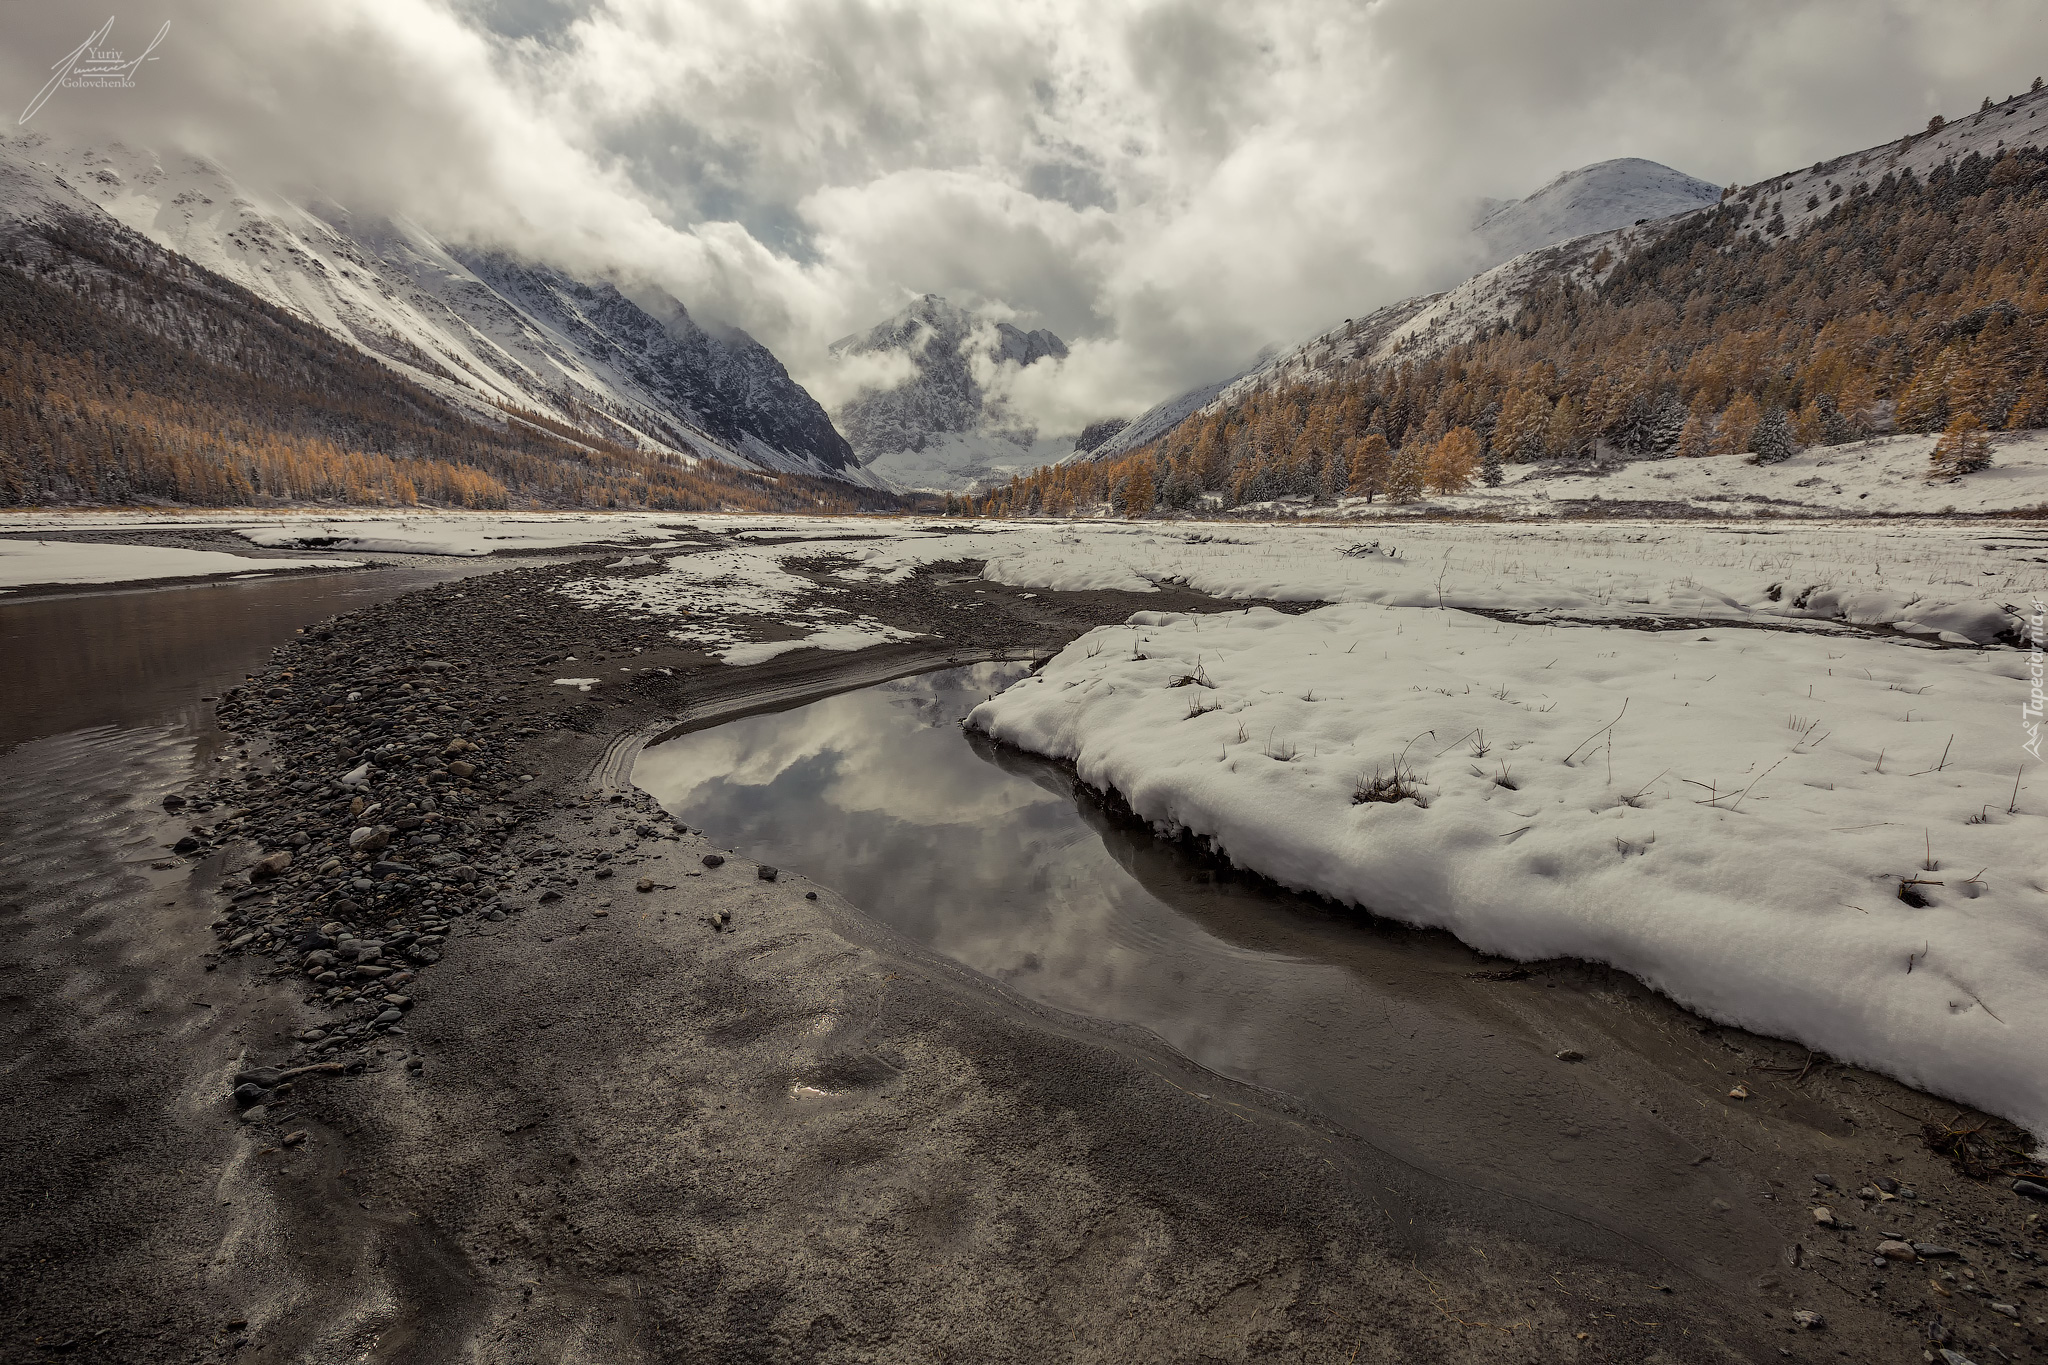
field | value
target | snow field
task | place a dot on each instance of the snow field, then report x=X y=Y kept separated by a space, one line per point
x=25 y=563
x=1886 y=475
x=1728 y=814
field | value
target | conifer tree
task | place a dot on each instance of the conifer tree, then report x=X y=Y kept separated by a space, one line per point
x=1964 y=448
x=1371 y=462
x=1773 y=443
x=1451 y=461
x=1405 y=473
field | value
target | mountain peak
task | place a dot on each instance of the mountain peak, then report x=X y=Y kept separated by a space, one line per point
x=939 y=427
x=1597 y=198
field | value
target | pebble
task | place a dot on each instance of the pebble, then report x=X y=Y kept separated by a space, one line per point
x=1824 y=1180
x=393 y=1015
x=767 y=873
x=644 y=885
x=294 y=1138
x=713 y=860
x=1570 y=1054
x=1824 y=1216
x=2030 y=1189
x=1809 y=1319
x=185 y=845
x=1929 y=1251
x=1896 y=1251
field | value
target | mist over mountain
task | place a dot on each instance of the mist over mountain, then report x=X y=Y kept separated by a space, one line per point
x=942 y=420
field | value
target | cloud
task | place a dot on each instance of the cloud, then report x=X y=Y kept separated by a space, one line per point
x=1169 y=184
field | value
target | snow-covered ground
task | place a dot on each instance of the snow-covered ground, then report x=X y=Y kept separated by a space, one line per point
x=462 y=534
x=1738 y=835
x=713 y=599
x=1732 y=815
x=1884 y=476
x=50 y=563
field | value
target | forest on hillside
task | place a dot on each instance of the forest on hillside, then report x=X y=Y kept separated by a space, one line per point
x=130 y=376
x=1919 y=305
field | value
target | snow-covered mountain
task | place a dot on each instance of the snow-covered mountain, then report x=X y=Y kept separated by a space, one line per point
x=1520 y=240
x=1596 y=198
x=945 y=427
x=480 y=329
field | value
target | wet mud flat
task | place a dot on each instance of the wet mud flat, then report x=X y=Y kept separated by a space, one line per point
x=719 y=1119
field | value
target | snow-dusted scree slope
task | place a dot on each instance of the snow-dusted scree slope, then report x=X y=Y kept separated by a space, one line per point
x=1808 y=836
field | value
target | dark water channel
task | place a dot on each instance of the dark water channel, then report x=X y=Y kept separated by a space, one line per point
x=1008 y=865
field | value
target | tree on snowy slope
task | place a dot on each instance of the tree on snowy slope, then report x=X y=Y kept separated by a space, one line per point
x=1371 y=463
x=1964 y=448
x=1773 y=442
x=1405 y=472
x=1449 y=463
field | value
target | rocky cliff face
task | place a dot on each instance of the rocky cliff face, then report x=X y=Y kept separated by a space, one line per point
x=944 y=409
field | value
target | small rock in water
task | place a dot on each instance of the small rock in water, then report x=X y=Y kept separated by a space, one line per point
x=173 y=801
x=767 y=873
x=185 y=845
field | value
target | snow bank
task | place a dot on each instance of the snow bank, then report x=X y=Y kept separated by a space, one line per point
x=1728 y=814
x=27 y=563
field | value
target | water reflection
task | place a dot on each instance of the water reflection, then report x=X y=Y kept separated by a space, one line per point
x=1005 y=863
x=138 y=656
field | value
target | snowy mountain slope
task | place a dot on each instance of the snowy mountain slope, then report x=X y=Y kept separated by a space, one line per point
x=580 y=354
x=943 y=428
x=1805 y=195
x=1154 y=422
x=1421 y=326
x=1522 y=241
x=1597 y=198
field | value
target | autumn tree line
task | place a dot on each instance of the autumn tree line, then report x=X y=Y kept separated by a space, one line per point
x=128 y=375
x=1916 y=305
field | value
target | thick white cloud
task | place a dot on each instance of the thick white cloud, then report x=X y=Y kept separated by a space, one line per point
x=1168 y=184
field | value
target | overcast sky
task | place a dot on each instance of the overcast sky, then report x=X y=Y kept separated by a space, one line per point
x=1167 y=185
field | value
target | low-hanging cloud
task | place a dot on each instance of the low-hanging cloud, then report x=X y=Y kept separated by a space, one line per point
x=1167 y=184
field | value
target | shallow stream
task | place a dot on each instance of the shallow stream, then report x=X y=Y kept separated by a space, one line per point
x=1009 y=865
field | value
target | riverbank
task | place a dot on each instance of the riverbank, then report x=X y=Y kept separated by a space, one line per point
x=720 y=1118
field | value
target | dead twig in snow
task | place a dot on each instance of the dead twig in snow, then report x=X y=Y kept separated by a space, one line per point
x=1599 y=732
